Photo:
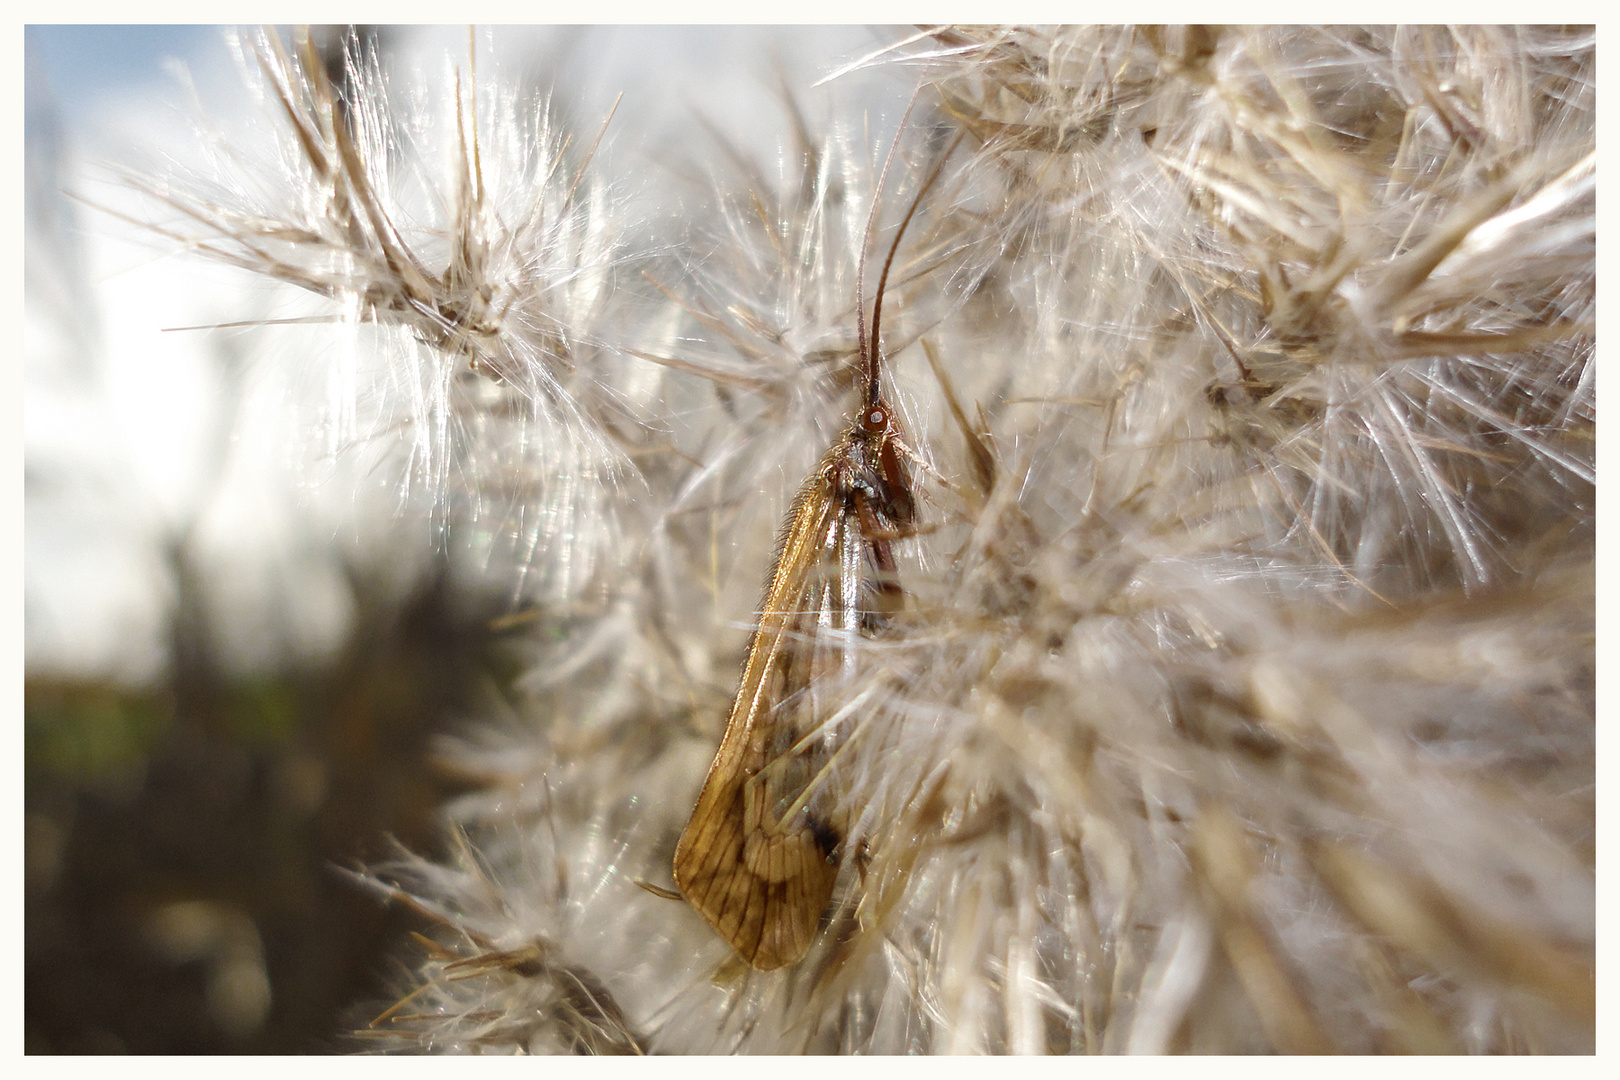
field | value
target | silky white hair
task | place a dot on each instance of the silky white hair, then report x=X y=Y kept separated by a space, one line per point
x=1243 y=700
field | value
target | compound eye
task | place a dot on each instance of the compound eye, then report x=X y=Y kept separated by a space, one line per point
x=876 y=418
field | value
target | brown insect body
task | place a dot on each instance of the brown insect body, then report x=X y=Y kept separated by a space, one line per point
x=760 y=854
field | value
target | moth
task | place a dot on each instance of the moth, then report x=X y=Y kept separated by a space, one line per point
x=761 y=851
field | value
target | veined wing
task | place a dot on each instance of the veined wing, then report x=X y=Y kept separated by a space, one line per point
x=759 y=858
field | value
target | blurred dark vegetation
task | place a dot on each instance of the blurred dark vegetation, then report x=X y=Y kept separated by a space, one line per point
x=181 y=844
x=182 y=890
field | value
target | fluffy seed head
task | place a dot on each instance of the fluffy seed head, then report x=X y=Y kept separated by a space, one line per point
x=1244 y=699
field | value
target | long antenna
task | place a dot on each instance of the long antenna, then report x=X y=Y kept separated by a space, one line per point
x=883 y=278
x=868 y=358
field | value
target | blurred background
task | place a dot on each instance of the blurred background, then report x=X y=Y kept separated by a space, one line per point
x=237 y=660
x=228 y=695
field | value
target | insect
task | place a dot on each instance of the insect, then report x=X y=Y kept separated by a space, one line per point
x=761 y=851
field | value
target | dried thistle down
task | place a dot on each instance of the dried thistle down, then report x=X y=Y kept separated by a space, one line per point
x=470 y=287
x=1246 y=702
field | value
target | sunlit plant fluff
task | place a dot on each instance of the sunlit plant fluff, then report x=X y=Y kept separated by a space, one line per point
x=1244 y=697
x=466 y=248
